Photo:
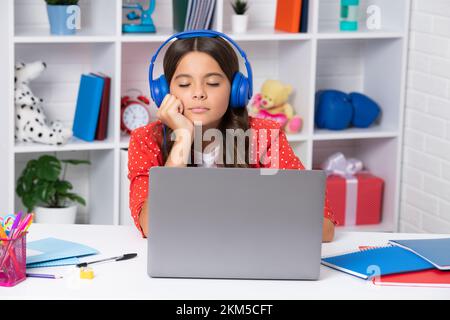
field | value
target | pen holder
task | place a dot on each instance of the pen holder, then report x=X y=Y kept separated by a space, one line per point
x=13 y=261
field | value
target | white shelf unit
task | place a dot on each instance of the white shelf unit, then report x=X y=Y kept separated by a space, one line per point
x=372 y=62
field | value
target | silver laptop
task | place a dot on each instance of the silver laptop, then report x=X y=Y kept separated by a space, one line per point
x=235 y=223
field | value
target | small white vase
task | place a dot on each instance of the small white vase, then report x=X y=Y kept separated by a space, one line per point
x=239 y=23
x=56 y=215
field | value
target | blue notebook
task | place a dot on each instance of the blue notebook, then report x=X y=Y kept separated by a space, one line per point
x=55 y=263
x=435 y=251
x=52 y=250
x=87 y=110
x=377 y=262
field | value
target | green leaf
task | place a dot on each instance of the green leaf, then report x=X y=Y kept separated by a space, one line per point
x=63 y=186
x=75 y=198
x=29 y=201
x=75 y=162
x=45 y=190
x=48 y=168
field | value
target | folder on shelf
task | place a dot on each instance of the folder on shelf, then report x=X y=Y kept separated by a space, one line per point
x=435 y=251
x=304 y=16
x=53 y=251
x=288 y=14
x=89 y=99
x=179 y=11
x=102 y=124
x=377 y=262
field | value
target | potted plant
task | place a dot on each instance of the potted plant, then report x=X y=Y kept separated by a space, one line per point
x=239 y=20
x=40 y=188
x=62 y=16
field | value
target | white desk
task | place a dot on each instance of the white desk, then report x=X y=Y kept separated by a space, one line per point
x=129 y=279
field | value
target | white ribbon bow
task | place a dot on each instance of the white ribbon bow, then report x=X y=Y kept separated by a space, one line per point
x=339 y=165
x=347 y=168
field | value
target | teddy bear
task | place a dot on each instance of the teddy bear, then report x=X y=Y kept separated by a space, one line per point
x=271 y=103
x=31 y=124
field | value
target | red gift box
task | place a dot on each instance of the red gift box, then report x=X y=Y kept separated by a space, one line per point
x=356 y=200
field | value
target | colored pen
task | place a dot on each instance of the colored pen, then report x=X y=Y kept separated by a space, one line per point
x=24 y=223
x=46 y=276
x=15 y=223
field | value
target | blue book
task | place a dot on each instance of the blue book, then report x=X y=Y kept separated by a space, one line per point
x=87 y=110
x=377 y=262
x=435 y=251
x=52 y=249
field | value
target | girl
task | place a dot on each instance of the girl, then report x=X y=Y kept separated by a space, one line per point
x=199 y=72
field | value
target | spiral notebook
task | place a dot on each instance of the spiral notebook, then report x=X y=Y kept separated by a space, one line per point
x=377 y=262
x=433 y=278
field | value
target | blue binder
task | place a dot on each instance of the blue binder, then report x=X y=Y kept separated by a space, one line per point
x=88 y=107
x=435 y=251
x=377 y=262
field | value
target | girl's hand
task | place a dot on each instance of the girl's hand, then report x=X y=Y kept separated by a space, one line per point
x=171 y=114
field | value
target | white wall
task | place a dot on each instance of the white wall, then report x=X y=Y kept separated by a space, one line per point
x=425 y=205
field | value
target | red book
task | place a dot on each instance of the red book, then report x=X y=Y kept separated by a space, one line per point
x=102 y=125
x=426 y=278
x=288 y=15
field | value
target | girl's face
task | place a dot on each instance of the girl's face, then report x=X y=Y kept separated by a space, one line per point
x=202 y=87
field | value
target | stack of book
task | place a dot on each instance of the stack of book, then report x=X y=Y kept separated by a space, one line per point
x=419 y=263
x=192 y=14
x=292 y=16
x=91 y=115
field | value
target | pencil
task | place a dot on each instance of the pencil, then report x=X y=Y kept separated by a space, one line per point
x=46 y=276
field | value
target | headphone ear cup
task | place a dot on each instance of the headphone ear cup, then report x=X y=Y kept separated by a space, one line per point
x=159 y=90
x=239 y=91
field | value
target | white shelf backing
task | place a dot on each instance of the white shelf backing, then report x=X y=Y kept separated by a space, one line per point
x=77 y=175
x=379 y=156
x=59 y=83
x=369 y=61
x=372 y=67
x=98 y=17
x=393 y=16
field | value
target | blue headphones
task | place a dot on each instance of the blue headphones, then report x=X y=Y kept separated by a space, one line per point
x=241 y=87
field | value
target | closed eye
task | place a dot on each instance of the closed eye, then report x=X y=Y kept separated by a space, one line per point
x=210 y=84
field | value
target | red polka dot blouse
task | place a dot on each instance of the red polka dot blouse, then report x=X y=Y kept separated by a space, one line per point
x=145 y=151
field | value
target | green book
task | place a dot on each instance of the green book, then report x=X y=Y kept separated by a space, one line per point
x=179 y=10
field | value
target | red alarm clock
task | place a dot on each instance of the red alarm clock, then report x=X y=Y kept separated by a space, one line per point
x=134 y=113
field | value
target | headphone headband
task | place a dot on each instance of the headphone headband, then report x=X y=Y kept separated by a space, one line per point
x=204 y=33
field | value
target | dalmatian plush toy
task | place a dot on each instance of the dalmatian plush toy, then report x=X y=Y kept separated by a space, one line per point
x=31 y=122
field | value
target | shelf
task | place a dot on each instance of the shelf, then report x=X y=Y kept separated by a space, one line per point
x=354 y=133
x=371 y=62
x=359 y=35
x=42 y=35
x=297 y=137
x=161 y=35
x=72 y=145
x=267 y=34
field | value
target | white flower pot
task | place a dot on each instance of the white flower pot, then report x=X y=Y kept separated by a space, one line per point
x=56 y=215
x=239 y=23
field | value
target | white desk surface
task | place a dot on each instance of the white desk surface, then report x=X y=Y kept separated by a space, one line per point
x=129 y=279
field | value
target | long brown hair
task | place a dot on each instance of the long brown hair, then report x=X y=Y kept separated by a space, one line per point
x=220 y=50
